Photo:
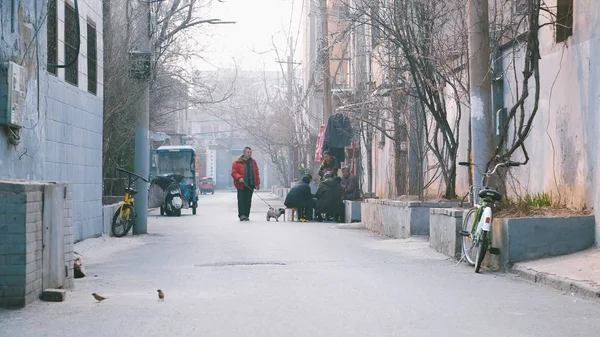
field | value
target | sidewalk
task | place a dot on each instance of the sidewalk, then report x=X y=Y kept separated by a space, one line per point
x=577 y=273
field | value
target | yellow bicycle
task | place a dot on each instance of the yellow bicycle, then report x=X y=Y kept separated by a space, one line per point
x=125 y=216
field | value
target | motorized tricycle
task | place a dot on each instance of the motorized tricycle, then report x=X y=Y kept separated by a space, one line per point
x=207 y=185
x=176 y=163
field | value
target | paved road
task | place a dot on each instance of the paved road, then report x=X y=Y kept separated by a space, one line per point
x=223 y=277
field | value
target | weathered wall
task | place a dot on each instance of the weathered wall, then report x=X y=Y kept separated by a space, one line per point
x=352 y=211
x=62 y=136
x=444 y=227
x=398 y=219
x=108 y=211
x=74 y=128
x=27 y=160
x=36 y=240
x=382 y=148
x=563 y=144
x=534 y=238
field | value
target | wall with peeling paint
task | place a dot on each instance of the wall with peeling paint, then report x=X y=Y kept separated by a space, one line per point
x=62 y=136
x=17 y=44
x=563 y=145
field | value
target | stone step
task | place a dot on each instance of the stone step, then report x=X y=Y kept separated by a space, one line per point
x=53 y=295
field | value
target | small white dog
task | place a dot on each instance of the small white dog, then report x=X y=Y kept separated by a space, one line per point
x=275 y=213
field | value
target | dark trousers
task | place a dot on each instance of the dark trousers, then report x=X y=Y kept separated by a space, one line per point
x=305 y=210
x=336 y=214
x=244 y=197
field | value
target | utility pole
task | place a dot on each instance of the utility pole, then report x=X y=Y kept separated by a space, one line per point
x=290 y=100
x=480 y=86
x=141 y=70
x=327 y=104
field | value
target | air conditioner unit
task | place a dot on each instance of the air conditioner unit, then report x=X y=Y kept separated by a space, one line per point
x=12 y=94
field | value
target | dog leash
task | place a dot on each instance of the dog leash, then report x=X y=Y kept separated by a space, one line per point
x=259 y=197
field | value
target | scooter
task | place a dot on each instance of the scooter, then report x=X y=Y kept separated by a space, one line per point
x=173 y=201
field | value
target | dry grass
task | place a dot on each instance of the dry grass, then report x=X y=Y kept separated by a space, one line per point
x=526 y=211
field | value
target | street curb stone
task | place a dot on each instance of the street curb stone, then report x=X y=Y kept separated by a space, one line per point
x=354 y=225
x=580 y=288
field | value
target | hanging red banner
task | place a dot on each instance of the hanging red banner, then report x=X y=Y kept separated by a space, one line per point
x=320 y=141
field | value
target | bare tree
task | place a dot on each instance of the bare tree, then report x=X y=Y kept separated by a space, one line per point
x=259 y=109
x=519 y=121
x=424 y=57
x=174 y=87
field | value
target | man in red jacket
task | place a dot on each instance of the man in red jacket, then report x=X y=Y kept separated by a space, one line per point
x=246 y=179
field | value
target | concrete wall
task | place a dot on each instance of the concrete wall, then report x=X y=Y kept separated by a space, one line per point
x=352 y=211
x=108 y=211
x=281 y=192
x=568 y=116
x=444 y=227
x=398 y=219
x=62 y=136
x=564 y=136
x=534 y=238
x=36 y=241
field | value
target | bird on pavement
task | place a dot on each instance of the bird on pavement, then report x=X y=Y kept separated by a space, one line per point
x=98 y=297
x=161 y=295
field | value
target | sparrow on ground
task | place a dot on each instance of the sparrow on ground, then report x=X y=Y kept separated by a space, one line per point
x=161 y=295
x=98 y=297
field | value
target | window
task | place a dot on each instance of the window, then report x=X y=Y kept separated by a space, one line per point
x=71 y=48
x=564 y=20
x=92 y=59
x=52 y=42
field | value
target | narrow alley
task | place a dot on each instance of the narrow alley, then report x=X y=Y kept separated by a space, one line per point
x=222 y=277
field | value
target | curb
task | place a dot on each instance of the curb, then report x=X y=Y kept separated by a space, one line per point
x=580 y=288
x=354 y=225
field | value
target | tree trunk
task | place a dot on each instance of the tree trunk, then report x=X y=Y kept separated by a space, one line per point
x=400 y=157
x=451 y=178
x=368 y=141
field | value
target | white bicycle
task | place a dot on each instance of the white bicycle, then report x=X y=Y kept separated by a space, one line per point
x=477 y=222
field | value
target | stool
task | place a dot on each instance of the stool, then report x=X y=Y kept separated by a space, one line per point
x=293 y=213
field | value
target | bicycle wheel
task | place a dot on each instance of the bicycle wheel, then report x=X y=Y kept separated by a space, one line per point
x=467 y=240
x=482 y=242
x=123 y=220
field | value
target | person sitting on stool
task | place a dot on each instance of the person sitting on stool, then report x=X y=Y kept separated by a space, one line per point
x=299 y=197
x=329 y=198
x=350 y=183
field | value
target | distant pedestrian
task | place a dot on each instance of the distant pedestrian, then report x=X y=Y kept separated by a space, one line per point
x=246 y=179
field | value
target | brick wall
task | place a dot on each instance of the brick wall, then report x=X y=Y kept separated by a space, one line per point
x=22 y=250
x=69 y=238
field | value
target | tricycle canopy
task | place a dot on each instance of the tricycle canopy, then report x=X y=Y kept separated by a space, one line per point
x=179 y=160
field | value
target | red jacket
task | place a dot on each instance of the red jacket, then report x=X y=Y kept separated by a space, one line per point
x=238 y=170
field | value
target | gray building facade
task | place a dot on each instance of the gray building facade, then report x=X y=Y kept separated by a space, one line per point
x=60 y=135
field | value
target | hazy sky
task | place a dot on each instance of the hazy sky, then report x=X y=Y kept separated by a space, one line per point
x=258 y=23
